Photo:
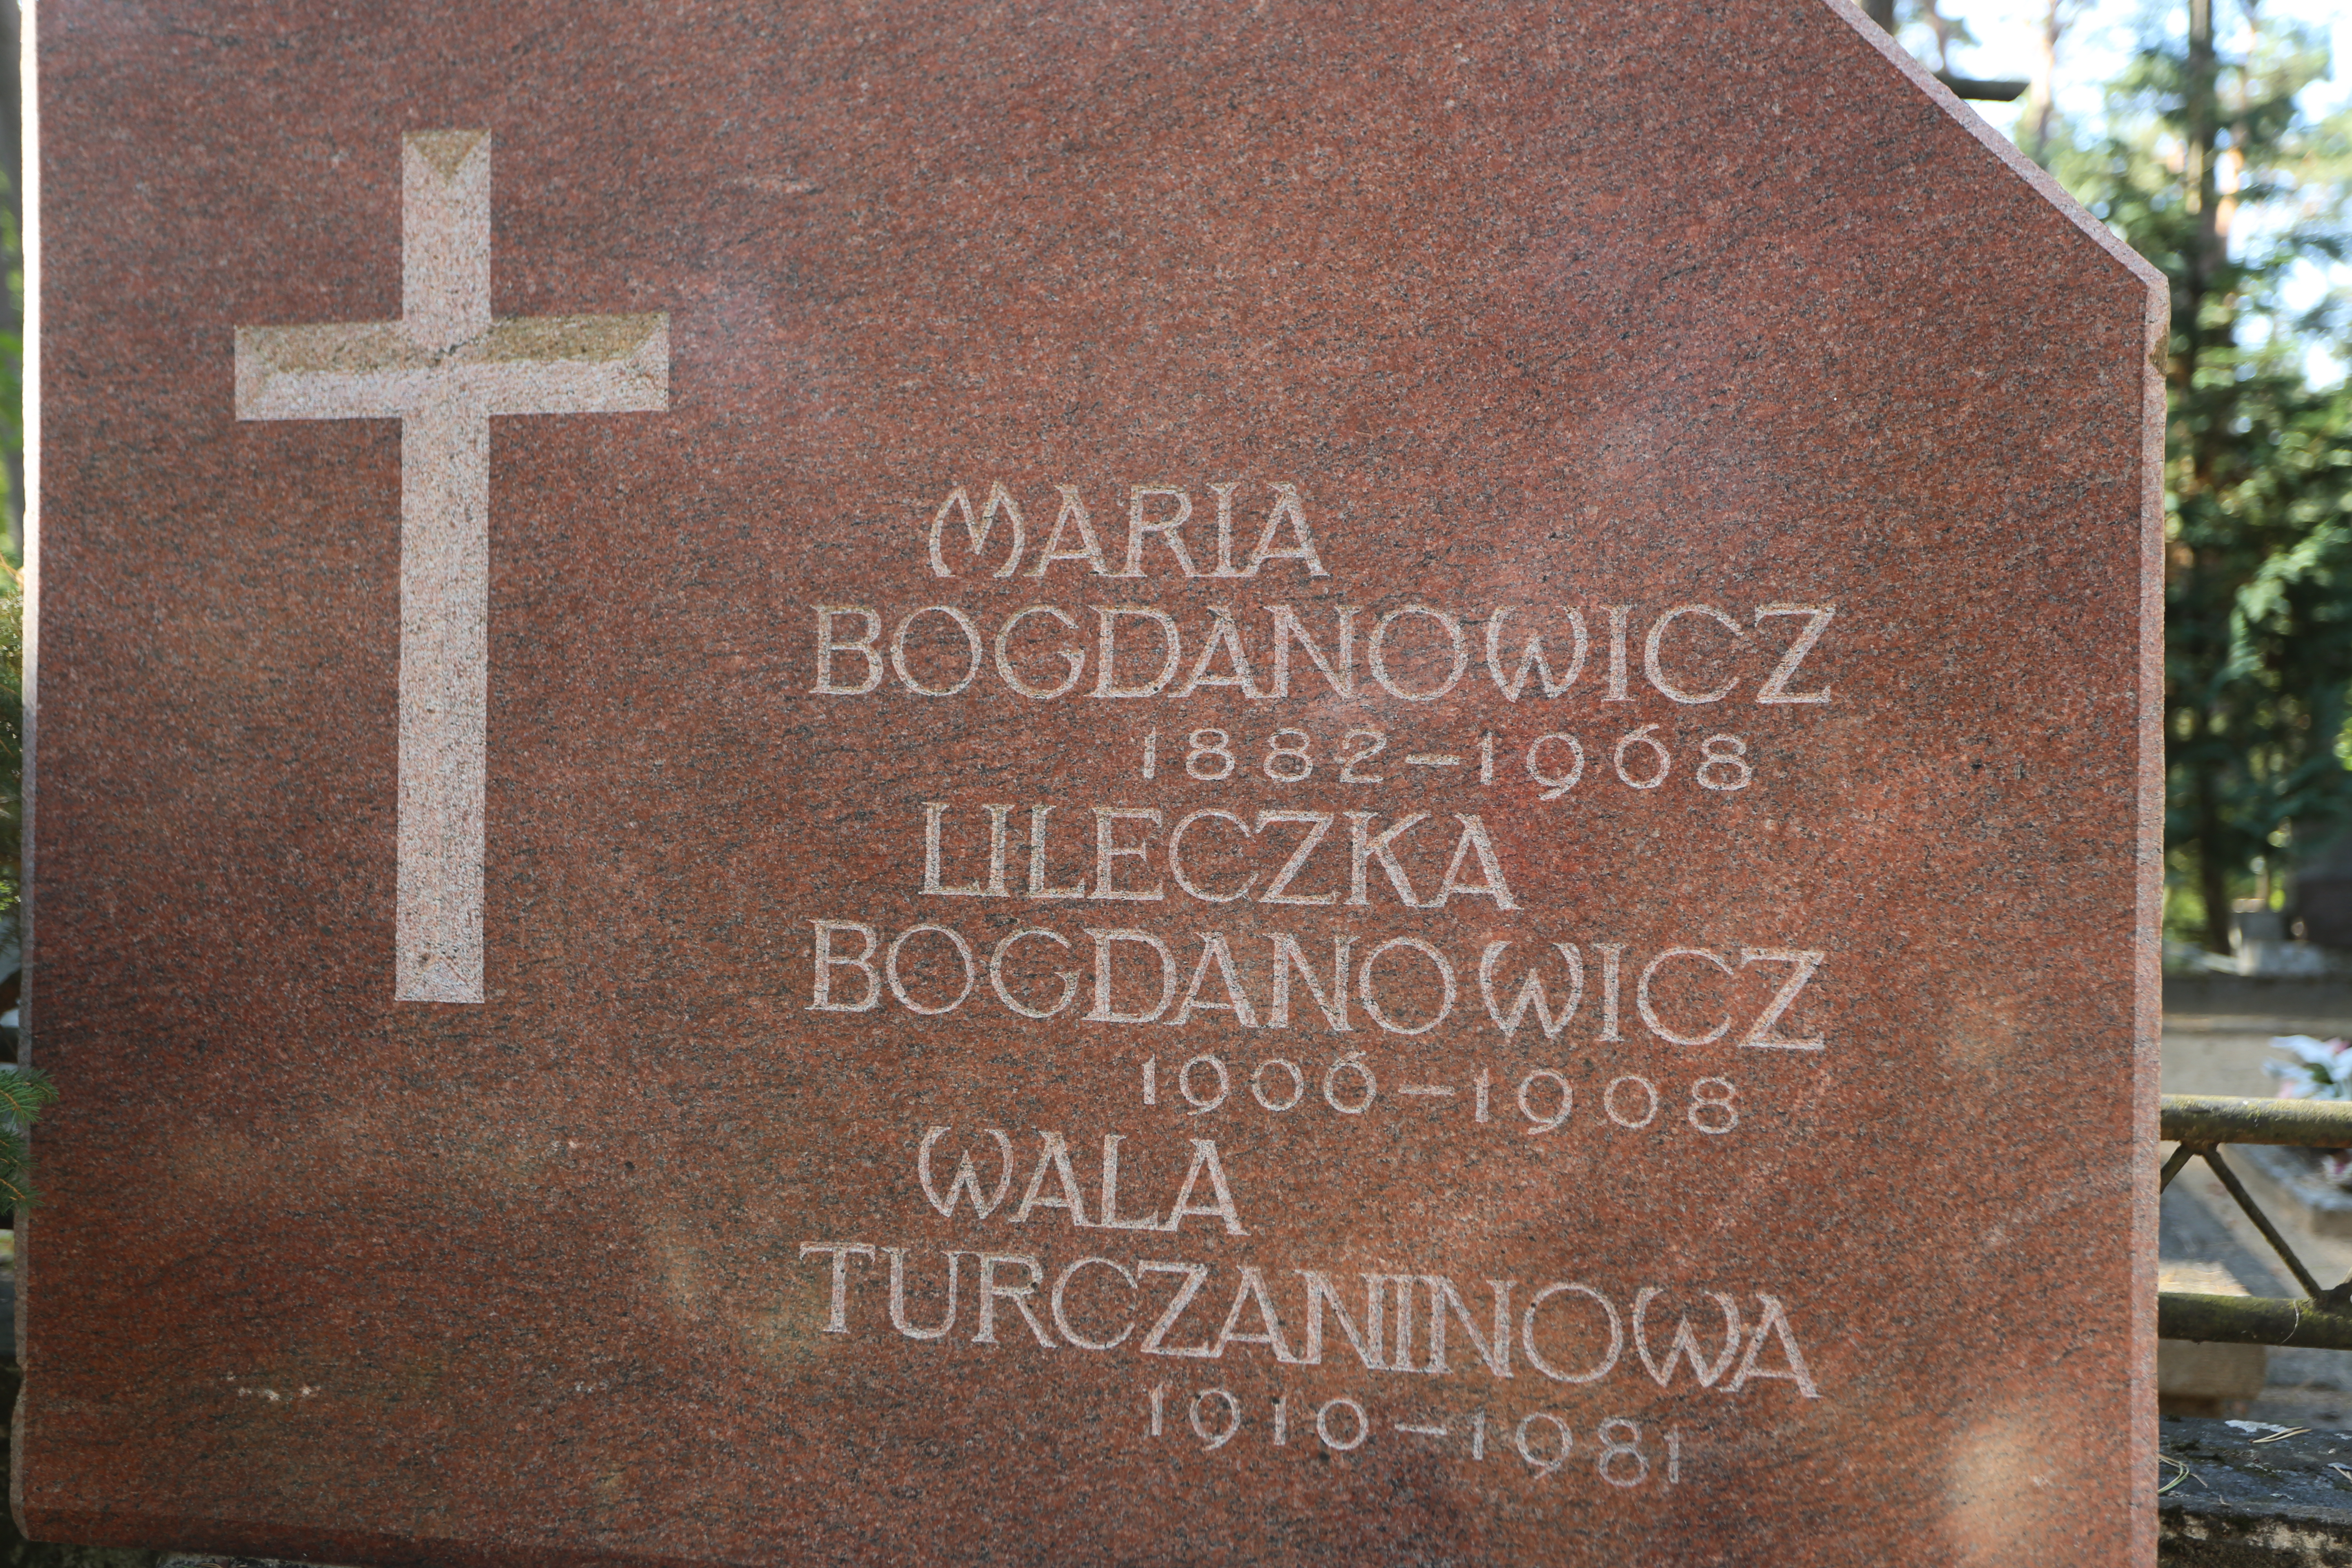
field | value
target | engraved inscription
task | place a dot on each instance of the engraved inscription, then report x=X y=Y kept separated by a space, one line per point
x=1352 y=879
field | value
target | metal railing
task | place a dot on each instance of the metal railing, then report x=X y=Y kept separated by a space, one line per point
x=2201 y=1124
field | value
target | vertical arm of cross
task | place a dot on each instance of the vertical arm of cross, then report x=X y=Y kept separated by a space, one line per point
x=445 y=237
x=445 y=495
x=445 y=697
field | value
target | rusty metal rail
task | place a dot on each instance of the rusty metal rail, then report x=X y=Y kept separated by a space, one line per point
x=2201 y=1124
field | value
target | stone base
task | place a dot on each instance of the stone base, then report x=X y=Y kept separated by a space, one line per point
x=2249 y=1504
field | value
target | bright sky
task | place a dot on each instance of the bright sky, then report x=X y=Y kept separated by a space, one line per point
x=2099 y=46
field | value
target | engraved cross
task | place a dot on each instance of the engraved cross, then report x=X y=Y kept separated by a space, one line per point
x=443 y=370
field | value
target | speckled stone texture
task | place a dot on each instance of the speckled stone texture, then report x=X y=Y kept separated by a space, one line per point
x=1801 y=1213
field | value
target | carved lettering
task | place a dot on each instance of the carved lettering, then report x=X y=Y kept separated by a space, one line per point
x=1776 y=685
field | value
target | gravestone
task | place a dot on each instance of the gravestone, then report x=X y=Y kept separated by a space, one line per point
x=941 y=782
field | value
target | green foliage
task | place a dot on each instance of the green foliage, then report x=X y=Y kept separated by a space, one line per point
x=12 y=583
x=12 y=740
x=23 y=1093
x=12 y=352
x=2209 y=169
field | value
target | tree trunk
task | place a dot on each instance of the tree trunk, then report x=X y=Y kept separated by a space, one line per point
x=2201 y=172
x=2212 y=875
x=2203 y=256
x=2043 y=104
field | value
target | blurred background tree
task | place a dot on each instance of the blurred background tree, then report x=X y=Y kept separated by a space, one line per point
x=21 y=1094
x=12 y=544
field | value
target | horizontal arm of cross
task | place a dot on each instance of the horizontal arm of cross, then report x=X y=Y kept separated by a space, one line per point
x=531 y=364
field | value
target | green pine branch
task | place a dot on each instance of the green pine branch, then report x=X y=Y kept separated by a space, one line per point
x=23 y=1093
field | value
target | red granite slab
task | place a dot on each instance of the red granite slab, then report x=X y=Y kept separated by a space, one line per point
x=1820 y=1232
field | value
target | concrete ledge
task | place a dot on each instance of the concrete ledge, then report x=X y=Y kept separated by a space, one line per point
x=2245 y=1503
x=2252 y=997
